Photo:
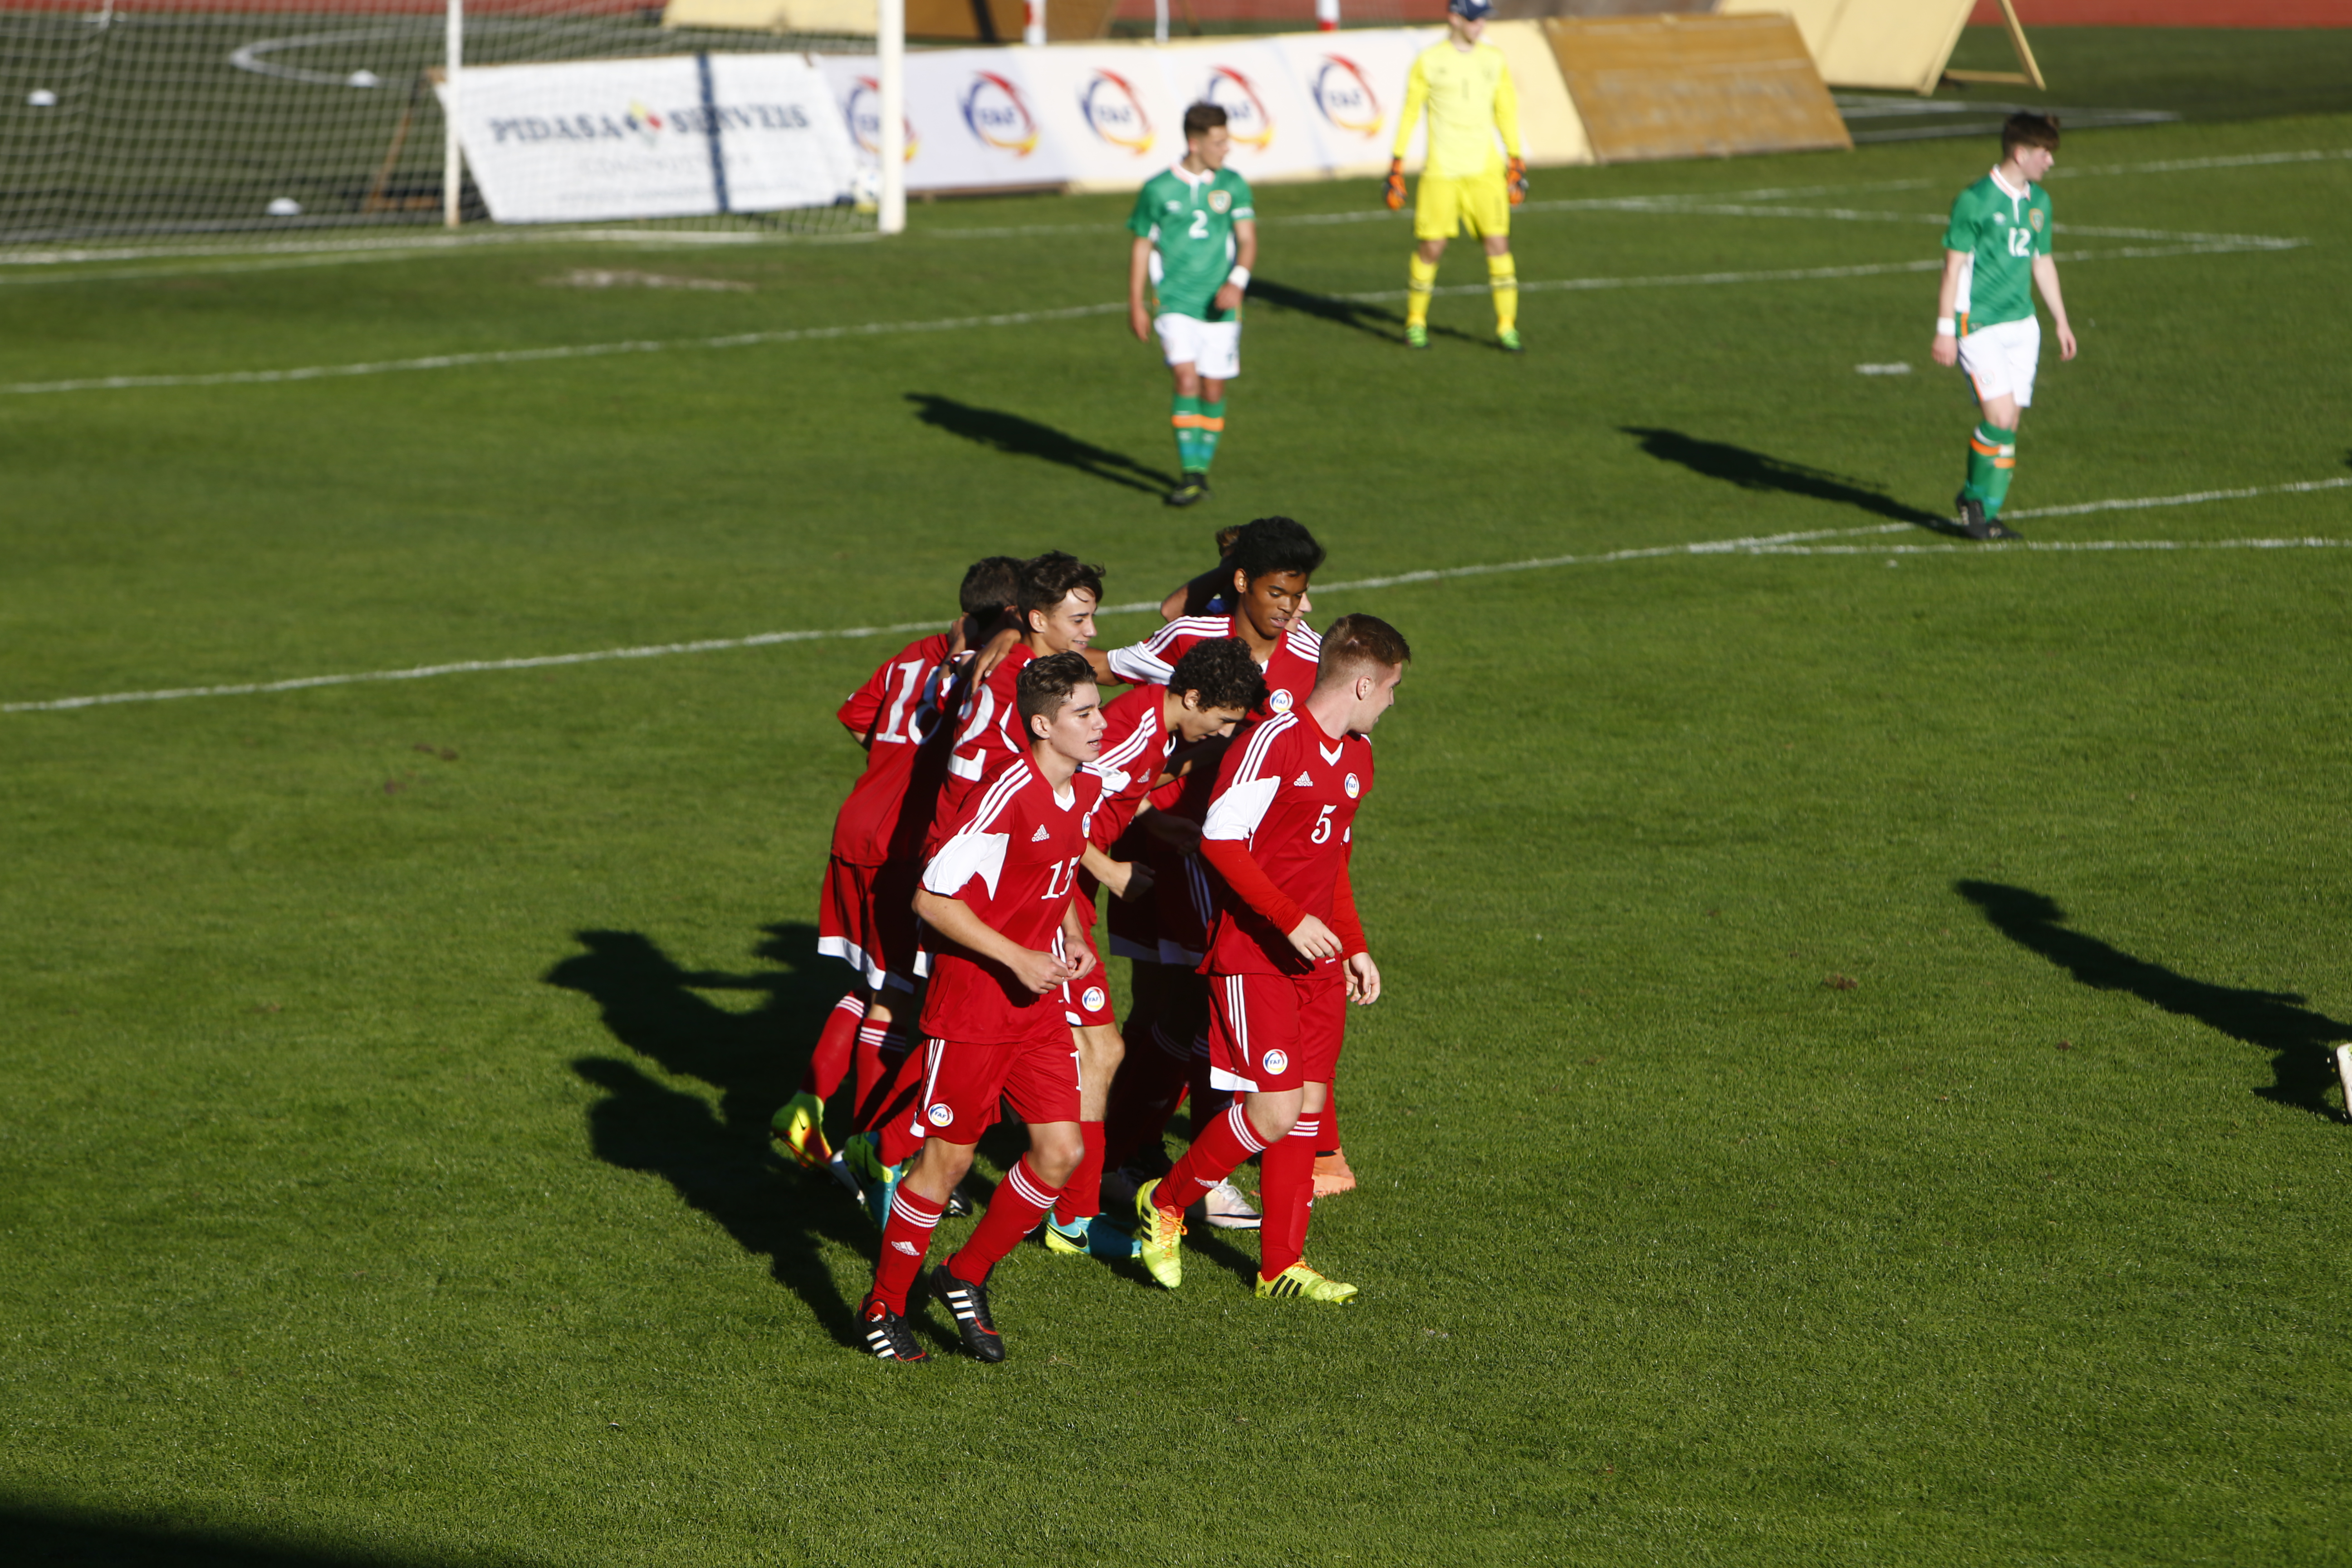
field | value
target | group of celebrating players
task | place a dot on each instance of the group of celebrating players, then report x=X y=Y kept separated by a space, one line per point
x=1214 y=800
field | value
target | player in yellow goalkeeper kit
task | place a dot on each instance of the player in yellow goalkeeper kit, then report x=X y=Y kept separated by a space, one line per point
x=1468 y=91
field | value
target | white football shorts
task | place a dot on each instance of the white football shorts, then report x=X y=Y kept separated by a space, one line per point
x=1212 y=347
x=2000 y=359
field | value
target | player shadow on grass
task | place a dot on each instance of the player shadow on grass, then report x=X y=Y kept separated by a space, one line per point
x=1361 y=314
x=1027 y=438
x=2297 y=1038
x=1752 y=470
x=721 y=1163
x=46 y=1533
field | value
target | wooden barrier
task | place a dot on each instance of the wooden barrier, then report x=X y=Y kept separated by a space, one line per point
x=1694 y=86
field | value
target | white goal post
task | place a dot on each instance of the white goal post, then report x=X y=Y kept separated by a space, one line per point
x=140 y=121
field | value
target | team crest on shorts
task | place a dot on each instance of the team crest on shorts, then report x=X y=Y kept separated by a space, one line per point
x=1277 y=1062
x=940 y=1115
x=1220 y=200
x=1279 y=701
x=1094 y=999
x=1351 y=784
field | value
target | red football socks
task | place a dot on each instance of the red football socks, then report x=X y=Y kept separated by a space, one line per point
x=872 y=1059
x=1286 y=1192
x=905 y=1239
x=1082 y=1193
x=1022 y=1200
x=829 y=1063
x=1330 y=1142
x=1215 y=1154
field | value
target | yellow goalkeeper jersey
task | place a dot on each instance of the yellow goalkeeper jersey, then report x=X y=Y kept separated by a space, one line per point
x=1470 y=97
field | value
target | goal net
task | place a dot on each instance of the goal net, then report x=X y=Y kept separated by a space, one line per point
x=147 y=120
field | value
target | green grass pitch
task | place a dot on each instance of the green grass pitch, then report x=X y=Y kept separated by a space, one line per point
x=382 y=1167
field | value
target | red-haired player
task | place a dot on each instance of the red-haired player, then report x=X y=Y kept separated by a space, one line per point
x=996 y=896
x=1287 y=954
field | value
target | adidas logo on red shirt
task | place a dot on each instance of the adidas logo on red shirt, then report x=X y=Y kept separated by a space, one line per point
x=1040 y=835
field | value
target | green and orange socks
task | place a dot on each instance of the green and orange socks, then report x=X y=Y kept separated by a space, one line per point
x=1185 y=416
x=1198 y=425
x=1212 y=427
x=1992 y=459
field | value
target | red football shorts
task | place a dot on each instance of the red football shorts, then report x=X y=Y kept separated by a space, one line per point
x=1269 y=1032
x=1085 y=1001
x=962 y=1083
x=865 y=917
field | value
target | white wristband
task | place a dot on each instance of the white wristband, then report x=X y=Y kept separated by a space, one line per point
x=1944 y=327
x=1239 y=278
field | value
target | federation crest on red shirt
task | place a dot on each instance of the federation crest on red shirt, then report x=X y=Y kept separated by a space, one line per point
x=1352 y=786
x=1279 y=701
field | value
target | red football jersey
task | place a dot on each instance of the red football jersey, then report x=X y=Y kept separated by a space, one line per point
x=1012 y=858
x=1136 y=744
x=895 y=716
x=1288 y=793
x=987 y=736
x=1289 y=673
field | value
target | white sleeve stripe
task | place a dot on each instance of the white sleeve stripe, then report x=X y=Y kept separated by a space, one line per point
x=1254 y=755
x=1129 y=750
x=1140 y=664
x=1000 y=794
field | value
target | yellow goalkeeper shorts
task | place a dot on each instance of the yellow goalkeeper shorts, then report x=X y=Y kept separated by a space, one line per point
x=1442 y=208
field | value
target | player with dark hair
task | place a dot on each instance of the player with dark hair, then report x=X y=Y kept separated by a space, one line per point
x=1213 y=685
x=1195 y=233
x=864 y=915
x=997 y=895
x=1056 y=594
x=1208 y=591
x=1996 y=252
x=1271 y=559
x=1287 y=954
x=1054 y=610
x=1467 y=85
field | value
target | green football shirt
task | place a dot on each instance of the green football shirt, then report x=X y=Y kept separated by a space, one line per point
x=1189 y=218
x=2002 y=230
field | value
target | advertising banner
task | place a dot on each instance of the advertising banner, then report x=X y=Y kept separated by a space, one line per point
x=1110 y=108
x=1353 y=83
x=674 y=136
x=1300 y=106
x=973 y=118
x=1275 y=130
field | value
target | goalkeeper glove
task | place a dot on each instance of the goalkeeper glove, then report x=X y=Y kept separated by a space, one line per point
x=1517 y=180
x=1395 y=194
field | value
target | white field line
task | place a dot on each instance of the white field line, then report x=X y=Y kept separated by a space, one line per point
x=414 y=240
x=413 y=243
x=1022 y=318
x=2054 y=545
x=1803 y=542
x=569 y=351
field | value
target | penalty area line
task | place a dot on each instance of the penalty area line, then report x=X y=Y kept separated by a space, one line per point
x=1809 y=542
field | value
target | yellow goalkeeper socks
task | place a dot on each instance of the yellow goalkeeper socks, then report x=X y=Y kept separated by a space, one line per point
x=1419 y=278
x=1503 y=277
